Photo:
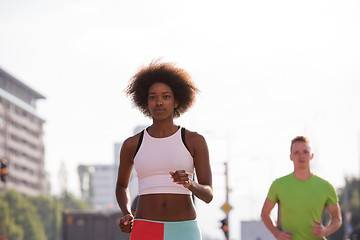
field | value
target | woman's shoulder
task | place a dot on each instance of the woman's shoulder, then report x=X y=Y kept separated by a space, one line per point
x=193 y=135
x=194 y=139
x=132 y=142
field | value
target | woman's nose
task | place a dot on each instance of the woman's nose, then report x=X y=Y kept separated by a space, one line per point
x=159 y=101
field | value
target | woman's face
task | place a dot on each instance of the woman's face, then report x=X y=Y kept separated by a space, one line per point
x=161 y=101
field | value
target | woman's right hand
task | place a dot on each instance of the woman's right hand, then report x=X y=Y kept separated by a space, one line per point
x=126 y=223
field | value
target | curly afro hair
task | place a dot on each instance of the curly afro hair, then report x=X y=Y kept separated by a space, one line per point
x=176 y=78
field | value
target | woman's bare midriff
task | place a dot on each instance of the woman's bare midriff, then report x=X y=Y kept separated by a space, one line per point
x=165 y=207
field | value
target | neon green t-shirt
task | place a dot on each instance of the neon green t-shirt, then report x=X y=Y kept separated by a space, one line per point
x=301 y=202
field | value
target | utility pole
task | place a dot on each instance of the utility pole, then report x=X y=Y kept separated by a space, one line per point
x=226 y=207
x=227 y=187
x=227 y=193
x=359 y=152
x=346 y=210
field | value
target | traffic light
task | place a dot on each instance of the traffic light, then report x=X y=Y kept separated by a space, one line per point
x=3 y=171
x=225 y=227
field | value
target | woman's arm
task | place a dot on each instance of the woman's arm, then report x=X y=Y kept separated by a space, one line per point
x=199 y=150
x=122 y=192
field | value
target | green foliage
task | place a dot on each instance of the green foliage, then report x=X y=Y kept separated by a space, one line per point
x=25 y=215
x=8 y=227
x=49 y=211
x=86 y=183
x=355 y=200
x=15 y=232
x=36 y=217
x=4 y=213
x=354 y=208
x=71 y=203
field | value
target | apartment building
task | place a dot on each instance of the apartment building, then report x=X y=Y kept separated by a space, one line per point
x=21 y=136
x=98 y=182
x=254 y=230
x=104 y=186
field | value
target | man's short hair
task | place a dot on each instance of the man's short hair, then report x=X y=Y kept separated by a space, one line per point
x=299 y=139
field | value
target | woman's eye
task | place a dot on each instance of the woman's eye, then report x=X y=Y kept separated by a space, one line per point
x=166 y=97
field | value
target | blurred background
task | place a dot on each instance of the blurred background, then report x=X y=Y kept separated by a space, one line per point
x=267 y=70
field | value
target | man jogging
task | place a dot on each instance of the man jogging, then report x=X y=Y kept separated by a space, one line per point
x=302 y=198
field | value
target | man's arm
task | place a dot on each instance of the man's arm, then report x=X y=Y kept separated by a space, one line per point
x=335 y=222
x=269 y=223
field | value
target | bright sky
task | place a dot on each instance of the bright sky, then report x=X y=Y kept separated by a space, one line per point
x=267 y=71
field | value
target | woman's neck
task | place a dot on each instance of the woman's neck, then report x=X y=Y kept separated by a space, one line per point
x=162 y=129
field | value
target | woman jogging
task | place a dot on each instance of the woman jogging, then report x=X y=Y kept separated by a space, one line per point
x=165 y=157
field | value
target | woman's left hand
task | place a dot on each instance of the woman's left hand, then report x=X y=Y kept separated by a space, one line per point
x=181 y=177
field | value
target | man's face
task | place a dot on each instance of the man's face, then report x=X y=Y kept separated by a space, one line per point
x=301 y=155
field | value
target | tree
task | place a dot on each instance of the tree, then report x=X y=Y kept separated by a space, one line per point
x=85 y=173
x=354 y=208
x=49 y=211
x=7 y=226
x=71 y=203
x=24 y=215
x=36 y=217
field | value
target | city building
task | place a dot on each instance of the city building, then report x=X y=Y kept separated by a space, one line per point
x=21 y=137
x=254 y=230
x=104 y=178
x=98 y=182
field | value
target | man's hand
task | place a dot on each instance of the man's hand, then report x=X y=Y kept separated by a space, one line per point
x=284 y=235
x=318 y=229
x=126 y=223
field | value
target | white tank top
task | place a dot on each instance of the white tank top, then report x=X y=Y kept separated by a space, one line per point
x=156 y=157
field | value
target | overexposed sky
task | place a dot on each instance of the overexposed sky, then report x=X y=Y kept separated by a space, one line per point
x=267 y=71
